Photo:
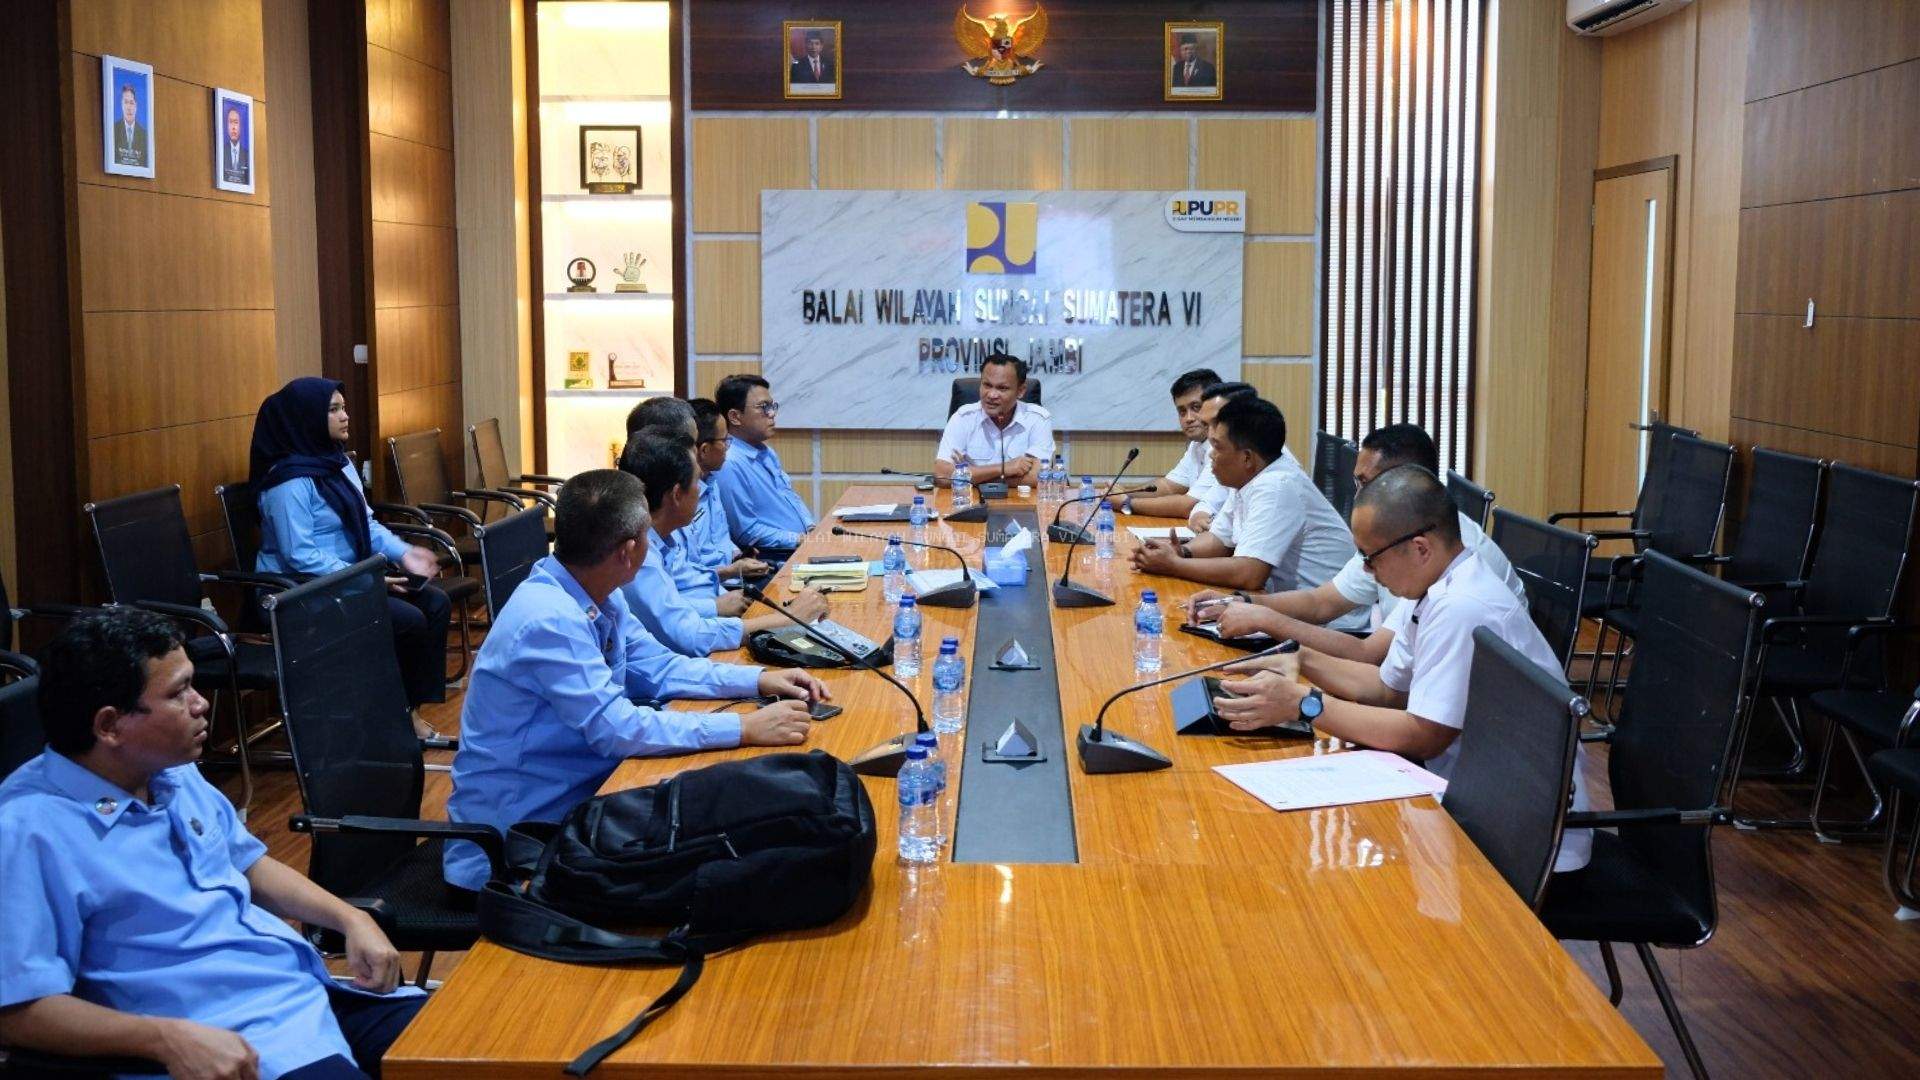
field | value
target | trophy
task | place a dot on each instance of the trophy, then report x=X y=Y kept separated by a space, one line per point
x=625 y=374
x=581 y=272
x=630 y=273
x=579 y=371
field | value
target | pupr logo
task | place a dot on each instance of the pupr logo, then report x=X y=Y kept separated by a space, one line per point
x=1002 y=237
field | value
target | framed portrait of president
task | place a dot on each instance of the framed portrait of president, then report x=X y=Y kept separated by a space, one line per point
x=232 y=141
x=126 y=117
x=1195 y=62
x=810 y=59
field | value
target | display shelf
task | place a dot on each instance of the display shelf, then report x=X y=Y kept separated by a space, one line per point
x=637 y=196
x=610 y=395
x=616 y=99
x=609 y=296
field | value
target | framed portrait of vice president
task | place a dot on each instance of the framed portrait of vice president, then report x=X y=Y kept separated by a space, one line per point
x=232 y=141
x=126 y=117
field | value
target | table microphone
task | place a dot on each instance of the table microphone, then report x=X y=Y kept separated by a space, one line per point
x=922 y=481
x=886 y=758
x=1103 y=751
x=1055 y=531
x=960 y=594
x=997 y=489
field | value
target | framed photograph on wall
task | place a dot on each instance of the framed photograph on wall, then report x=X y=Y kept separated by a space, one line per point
x=1195 y=63
x=126 y=116
x=232 y=141
x=609 y=159
x=810 y=59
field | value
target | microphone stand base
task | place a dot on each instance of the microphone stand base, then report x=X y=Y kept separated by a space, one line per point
x=992 y=489
x=884 y=759
x=1111 y=752
x=960 y=594
x=1070 y=594
x=976 y=512
x=1069 y=534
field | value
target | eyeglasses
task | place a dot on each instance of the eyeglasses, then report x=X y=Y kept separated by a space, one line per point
x=1366 y=560
x=768 y=408
x=710 y=442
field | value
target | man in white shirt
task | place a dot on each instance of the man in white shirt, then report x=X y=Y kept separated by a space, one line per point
x=1415 y=703
x=1275 y=532
x=1304 y=613
x=1174 y=498
x=1002 y=437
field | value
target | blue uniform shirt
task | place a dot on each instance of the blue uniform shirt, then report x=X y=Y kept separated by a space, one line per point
x=549 y=713
x=706 y=543
x=301 y=534
x=670 y=617
x=145 y=908
x=763 y=510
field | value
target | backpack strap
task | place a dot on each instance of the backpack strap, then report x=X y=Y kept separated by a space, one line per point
x=595 y=1054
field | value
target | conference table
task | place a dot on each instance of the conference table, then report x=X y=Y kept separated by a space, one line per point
x=1194 y=932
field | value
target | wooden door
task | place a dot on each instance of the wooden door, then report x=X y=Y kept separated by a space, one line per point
x=1626 y=327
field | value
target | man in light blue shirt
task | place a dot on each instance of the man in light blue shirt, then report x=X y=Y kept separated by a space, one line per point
x=663 y=462
x=550 y=710
x=764 y=513
x=712 y=556
x=141 y=918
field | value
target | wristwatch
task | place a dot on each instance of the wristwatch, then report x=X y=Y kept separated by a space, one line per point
x=1312 y=706
x=1186 y=551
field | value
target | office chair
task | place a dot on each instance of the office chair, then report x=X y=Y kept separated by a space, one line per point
x=1469 y=498
x=13 y=665
x=359 y=767
x=1513 y=780
x=1552 y=564
x=426 y=497
x=1333 y=462
x=967 y=391
x=490 y=464
x=508 y=549
x=1650 y=881
x=1899 y=771
x=1885 y=718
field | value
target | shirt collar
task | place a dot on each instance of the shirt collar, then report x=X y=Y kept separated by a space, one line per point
x=747 y=449
x=1440 y=586
x=557 y=571
x=107 y=801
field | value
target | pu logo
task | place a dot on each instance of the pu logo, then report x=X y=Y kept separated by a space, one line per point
x=1206 y=207
x=1002 y=236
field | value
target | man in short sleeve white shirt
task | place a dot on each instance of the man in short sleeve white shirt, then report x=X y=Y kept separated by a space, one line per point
x=1415 y=703
x=1002 y=437
x=1174 y=497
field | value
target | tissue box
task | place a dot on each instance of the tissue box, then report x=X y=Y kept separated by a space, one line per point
x=1007 y=569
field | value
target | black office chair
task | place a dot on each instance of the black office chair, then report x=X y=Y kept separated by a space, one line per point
x=1333 y=462
x=1513 y=780
x=13 y=665
x=1552 y=564
x=1884 y=718
x=1674 y=747
x=508 y=549
x=1832 y=632
x=1899 y=771
x=359 y=766
x=967 y=391
x=490 y=465
x=148 y=558
x=1469 y=498
x=427 y=498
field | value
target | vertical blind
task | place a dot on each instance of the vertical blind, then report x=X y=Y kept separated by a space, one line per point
x=1402 y=141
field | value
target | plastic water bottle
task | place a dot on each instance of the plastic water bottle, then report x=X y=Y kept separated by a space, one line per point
x=949 y=677
x=906 y=638
x=1103 y=534
x=893 y=566
x=1083 y=512
x=962 y=482
x=917 y=513
x=1147 y=625
x=919 y=812
x=937 y=773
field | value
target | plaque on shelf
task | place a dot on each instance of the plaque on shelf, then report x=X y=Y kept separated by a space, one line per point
x=630 y=273
x=581 y=272
x=609 y=159
x=579 y=371
x=625 y=374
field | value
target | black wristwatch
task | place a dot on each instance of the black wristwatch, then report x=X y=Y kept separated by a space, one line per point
x=1186 y=551
x=1312 y=705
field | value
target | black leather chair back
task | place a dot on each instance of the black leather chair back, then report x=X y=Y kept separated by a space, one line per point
x=354 y=751
x=1514 y=777
x=967 y=391
x=1469 y=498
x=490 y=454
x=1862 y=548
x=508 y=549
x=1333 y=462
x=1675 y=736
x=1653 y=483
x=1552 y=564
x=1686 y=518
x=240 y=510
x=1783 y=506
x=145 y=548
x=420 y=468
x=21 y=735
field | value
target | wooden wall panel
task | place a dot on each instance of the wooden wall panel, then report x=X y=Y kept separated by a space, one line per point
x=209 y=42
x=977 y=157
x=875 y=152
x=735 y=159
x=411 y=182
x=1275 y=161
x=1295 y=388
x=726 y=289
x=212 y=254
x=183 y=140
x=419 y=346
x=196 y=456
x=1099 y=453
x=1857 y=256
x=1833 y=378
x=296 y=274
x=1833 y=139
x=417 y=29
x=149 y=369
x=1129 y=155
x=1701 y=379
x=1277 y=308
x=414 y=265
x=1881 y=457
x=868 y=451
x=708 y=373
x=1798 y=44
x=408 y=99
x=1647 y=90
x=9 y=566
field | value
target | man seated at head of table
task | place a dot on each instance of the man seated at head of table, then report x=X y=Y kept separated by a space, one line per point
x=662 y=460
x=1303 y=613
x=1173 y=497
x=553 y=704
x=764 y=513
x=141 y=918
x=1275 y=532
x=1415 y=702
x=1002 y=437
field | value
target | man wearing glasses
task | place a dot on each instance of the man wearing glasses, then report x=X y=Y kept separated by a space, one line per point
x=1415 y=703
x=1303 y=613
x=712 y=556
x=764 y=513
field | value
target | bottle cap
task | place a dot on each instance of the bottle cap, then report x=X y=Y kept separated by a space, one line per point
x=950 y=640
x=907 y=600
x=1148 y=596
x=1086 y=479
x=919 y=500
x=893 y=541
x=916 y=753
x=927 y=739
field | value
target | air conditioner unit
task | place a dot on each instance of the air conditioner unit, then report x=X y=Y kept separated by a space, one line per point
x=1603 y=18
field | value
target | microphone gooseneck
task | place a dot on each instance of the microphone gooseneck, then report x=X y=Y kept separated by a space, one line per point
x=1080 y=535
x=965 y=574
x=754 y=593
x=1100 y=720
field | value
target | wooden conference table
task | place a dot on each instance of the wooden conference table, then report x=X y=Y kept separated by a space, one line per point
x=1199 y=934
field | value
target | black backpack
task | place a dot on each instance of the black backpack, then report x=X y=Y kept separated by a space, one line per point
x=776 y=842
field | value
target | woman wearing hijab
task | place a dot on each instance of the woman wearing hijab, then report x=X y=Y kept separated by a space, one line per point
x=314 y=519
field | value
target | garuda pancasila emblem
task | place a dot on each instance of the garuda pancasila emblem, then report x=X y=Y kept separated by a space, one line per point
x=1001 y=51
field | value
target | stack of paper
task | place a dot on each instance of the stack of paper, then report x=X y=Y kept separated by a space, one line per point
x=1339 y=779
x=868 y=510
x=831 y=577
x=1143 y=532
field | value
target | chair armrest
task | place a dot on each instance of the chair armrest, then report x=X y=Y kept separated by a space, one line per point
x=1705 y=558
x=1582 y=515
x=55 y=611
x=536 y=478
x=1597 y=819
x=1858 y=635
x=1773 y=586
x=446 y=510
x=434 y=537
x=249 y=579
x=1620 y=534
x=402 y=510
x=545 y=498
x=489 y=840
x=197 y=616
x=1776 y=629
x=488 y=495
x=19 y=663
